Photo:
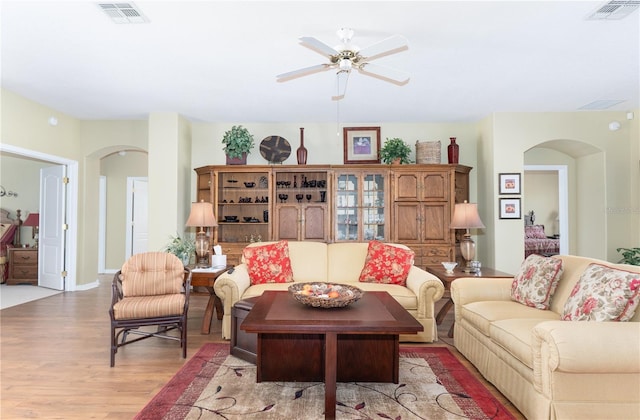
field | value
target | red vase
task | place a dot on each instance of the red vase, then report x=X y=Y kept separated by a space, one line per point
x=453 y=150
x=301 y=153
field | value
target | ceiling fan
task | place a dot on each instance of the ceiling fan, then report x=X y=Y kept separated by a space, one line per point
x=346 y=57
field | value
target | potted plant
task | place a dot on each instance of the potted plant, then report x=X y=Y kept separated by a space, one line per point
x=182 y=248
x=237 y=144
x=630 y=255
x=395 y=150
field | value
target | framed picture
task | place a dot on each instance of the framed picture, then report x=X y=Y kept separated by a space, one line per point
x=509 y=183
x=510 y=208
x=361 y=144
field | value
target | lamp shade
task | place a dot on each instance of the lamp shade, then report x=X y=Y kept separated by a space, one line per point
x=33 y=219
x=465 y=216
x=202 y=215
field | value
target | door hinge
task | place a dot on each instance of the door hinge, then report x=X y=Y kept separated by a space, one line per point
x=63 y=274
x=65 y=226
x=65 y=180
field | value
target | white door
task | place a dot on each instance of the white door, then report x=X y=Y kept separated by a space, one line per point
x=51 y=243
x=137 y=216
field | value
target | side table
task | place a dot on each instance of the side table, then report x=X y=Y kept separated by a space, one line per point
x=446 y=279
x=206 y=277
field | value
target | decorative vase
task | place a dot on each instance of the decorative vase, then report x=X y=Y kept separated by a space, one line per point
x=301 y=153
x=453 y=150
x=237 y=161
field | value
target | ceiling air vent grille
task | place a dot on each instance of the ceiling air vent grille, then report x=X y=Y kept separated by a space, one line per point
x=123 y=12
x=615 y=10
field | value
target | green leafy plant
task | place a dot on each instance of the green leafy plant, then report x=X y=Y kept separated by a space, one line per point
x=393 y=149
x=237 y=141
x=182 y=248
x=630 y=255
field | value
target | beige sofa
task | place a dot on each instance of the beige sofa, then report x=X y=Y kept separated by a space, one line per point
x=337 y=263
x=548 y=368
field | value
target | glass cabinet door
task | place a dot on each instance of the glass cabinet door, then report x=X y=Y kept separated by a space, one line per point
x=360 y=207
x=373 y=205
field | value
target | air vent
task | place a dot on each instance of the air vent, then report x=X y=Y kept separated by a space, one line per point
x=123 y=12
x=602 y=104
x=615 y=10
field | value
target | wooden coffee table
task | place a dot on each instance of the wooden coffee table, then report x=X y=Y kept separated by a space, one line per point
x=357 y=343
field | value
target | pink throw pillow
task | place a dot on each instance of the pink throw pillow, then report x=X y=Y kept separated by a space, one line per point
x=387 y=264
x=536 y=281
x=269 y=263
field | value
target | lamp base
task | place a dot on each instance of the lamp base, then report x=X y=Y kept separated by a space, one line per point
x=472 y=267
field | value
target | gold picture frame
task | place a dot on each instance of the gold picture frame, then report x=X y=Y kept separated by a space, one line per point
x=361 y=145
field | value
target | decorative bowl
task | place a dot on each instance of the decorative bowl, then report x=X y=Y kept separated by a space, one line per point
x=247 y=218
x=449 y=266
x=325 y=295
x=230 y=218
x=249 y=184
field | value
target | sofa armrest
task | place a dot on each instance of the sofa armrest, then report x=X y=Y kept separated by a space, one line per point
x=583 y=347
x=230 y=287
x=428 y=289
x=473 y=289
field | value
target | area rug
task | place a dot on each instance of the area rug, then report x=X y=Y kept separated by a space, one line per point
x=214 y=385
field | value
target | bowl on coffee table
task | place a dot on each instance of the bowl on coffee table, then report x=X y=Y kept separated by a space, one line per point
x=325 y=295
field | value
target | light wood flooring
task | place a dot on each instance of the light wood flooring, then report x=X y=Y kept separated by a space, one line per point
x=54 y=356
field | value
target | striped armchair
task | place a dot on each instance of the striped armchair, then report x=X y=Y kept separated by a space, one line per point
x=151 y=289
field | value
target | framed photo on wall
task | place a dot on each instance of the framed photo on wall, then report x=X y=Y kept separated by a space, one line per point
x=361 y=144
x=510 y=208
x=509 y=183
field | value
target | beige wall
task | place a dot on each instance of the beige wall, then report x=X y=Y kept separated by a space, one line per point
x=541 y=197
x=117 y=169
x=606 y=181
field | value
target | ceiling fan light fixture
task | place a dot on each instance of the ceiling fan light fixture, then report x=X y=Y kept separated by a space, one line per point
x=345 y=64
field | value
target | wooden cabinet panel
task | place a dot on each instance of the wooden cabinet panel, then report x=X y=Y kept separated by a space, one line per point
x=434 y=255
x=406 y=186
x=435 y=223
x=315 y=222
x=287 y=222
x=435 y=186
x=406 y=226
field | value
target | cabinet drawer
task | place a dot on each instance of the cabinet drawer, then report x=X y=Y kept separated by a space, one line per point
x=437 y=254
x=24 y=271
x=25 y=257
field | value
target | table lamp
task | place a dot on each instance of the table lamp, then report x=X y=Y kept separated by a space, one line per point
x=33 y=220
x=465 y=216
x=202 y=216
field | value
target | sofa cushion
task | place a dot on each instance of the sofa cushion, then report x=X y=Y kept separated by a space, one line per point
x=514 y=335
x=386 y=264
x=482 y=313
x=268 y=263
x=603 y=294
x=536 y=281
x=401 y=294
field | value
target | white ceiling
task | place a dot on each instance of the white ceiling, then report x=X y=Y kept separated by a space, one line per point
x=217 y=61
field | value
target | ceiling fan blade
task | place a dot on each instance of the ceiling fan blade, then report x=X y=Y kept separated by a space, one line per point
x=387 y=74
x=284 y=77
x=342 y=77
x=391 y=45
x=318 y=46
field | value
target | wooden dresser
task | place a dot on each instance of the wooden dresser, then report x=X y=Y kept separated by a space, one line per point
x=23 y=266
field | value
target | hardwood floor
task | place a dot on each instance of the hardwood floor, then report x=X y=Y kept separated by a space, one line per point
x=54 y=356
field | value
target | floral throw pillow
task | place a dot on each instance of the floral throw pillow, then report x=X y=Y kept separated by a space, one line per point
x=603 y=294
x=269 y=263
x=386 y=264
x=536 y=281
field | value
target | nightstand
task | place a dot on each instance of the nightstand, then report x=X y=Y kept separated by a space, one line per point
x=23 y=266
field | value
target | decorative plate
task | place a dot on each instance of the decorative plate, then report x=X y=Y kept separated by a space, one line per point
x=275 y=149
x=325 y=295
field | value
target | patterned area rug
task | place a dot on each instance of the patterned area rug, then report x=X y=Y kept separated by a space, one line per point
x=433 y=385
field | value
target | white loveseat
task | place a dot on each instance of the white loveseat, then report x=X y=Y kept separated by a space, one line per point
x=548 y=368
x=337 y=263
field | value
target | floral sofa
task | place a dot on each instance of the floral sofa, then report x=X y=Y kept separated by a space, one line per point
x=341 y=263
x=563 y=362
